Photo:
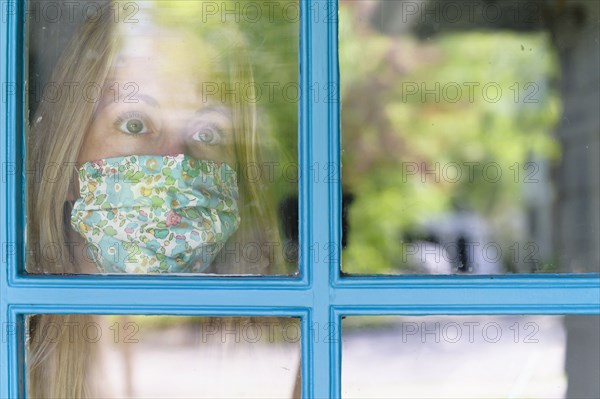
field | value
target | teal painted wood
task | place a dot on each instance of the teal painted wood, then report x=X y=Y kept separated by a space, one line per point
x=318 y=295
x=532 y=294
x=323 y=213
x=9 y=33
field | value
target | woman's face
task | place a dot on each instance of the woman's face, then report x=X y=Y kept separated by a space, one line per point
x=156 y=102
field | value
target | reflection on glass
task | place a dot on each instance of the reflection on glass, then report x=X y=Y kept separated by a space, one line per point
x=470 y=357
x=160 y=133
x=470 y=136
x=162 y=356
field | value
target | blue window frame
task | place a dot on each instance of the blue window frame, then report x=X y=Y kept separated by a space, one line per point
x=319 y=296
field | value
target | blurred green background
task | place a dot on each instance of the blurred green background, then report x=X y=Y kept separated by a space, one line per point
x=411 y=102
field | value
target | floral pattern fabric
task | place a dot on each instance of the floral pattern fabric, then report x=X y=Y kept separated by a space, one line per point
x=154 y=213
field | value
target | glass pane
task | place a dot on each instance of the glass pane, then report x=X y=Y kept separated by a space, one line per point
x=471 y=357
x=470 y=136
x=74 y=356
x=163 y=137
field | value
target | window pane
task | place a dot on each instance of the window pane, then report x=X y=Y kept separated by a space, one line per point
x=162 y=356
x=163 y=137
x=471 y=357
x=470 y=136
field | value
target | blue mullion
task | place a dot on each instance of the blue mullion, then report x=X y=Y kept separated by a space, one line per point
x=576 y=293
x=304 y=193
x=124 y=281
x=72 y=297
x=574 y=297
x=581 y=280
x=8 y=122
x=258 y=282
x=335 y=201
x=153 y=310
x=322 y=170
x=573 y=291
x=459 y=310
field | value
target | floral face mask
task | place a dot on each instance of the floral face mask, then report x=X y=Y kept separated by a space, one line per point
x=154 y=213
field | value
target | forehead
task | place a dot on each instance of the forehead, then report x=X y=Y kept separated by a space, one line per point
x=173 y=66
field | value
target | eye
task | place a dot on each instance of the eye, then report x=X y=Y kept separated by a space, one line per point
x=208 y=134
x=133 y=123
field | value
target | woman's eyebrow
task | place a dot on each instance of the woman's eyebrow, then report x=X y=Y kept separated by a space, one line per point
x=128 y=98
x=144 y=97
x=219 y=109
x=150 y=100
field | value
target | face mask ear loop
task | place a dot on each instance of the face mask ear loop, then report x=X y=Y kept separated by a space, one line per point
x=73 y=190
x=67 y=210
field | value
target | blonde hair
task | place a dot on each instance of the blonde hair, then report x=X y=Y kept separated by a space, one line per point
x=61 y=367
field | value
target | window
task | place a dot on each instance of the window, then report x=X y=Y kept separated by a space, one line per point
x=310 y=296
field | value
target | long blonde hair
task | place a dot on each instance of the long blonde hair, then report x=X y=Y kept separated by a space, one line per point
x=61 y=367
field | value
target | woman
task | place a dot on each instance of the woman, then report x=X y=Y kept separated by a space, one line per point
x=155 y=110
